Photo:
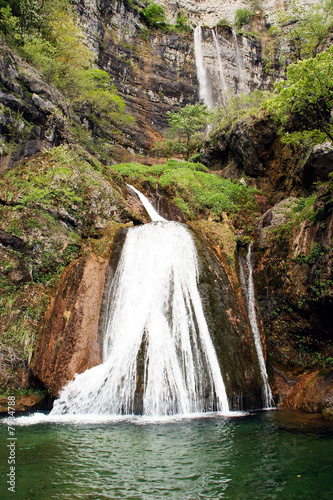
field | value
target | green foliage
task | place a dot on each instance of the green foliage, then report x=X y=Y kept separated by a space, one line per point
x=21 y=19
x=32 y=16
x=303 y=27
x=193 y=188
x=154 y=16
x=9 y=24
x=237 y=106
x=316 y=253
x=52 y=41
x=303 y=208
x=306 y=96
x=185 y=130
x=223 y=22
x=182 y=23
x=242 y=17
x=65 y=61
x=51 y=182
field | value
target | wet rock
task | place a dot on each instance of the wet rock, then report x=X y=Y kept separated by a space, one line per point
x=69 y=342
x=227 y=319
x=311 y=391
x=318 y=165
x=272 y=220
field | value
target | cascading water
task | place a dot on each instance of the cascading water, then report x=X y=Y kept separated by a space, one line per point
x=204 y=88
x=249 y=288
x=239 y=61
x=155 y=216
x=156 y=322
x=223 y=85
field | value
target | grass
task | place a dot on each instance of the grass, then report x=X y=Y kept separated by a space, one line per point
x=193 y=188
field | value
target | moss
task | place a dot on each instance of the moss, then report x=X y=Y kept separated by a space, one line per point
x=101 y=247
x=201 y=192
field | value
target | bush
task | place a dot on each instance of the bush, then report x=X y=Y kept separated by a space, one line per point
x=155 y=16
x=192 y=185
x=242 y=16
x=223 y=22
x=182 y=23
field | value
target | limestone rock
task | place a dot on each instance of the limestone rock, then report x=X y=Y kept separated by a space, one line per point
x=272 y=219
x=43 y=108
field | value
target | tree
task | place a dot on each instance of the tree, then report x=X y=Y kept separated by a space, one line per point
x=68 y=63
x=185 y=130
x=304 y=28
x=307 y=96
x=155 y=16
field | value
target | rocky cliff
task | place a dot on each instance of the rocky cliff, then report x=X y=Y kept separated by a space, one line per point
x=293 y=251
x=155 y=70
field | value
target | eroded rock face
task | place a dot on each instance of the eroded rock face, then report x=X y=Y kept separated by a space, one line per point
x=155 y=71
x=227 y=319
x=69 y=342
x=44 y=109
x=252 y=146
x=294 y=283
x=209 y=12
x=310 y=392
x=318 y=165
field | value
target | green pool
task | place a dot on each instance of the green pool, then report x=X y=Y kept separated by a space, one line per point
x=268 y=455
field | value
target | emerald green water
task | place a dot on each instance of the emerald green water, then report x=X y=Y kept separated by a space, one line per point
x=269 y=455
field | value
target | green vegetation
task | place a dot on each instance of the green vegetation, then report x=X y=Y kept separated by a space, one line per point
x=185 y=131
x=303 y=27
x=182 y=23
x=46 y=33
x=306 y=98
x=223 y=22
x=192 y=187
x=236 y=107
x=52 y=203
x=242 y=17
x=154 y=16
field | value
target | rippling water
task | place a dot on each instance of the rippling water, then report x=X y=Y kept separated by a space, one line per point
x=270 y=455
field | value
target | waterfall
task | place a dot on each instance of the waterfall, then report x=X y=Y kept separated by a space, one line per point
x=223 y=85
x=158 y=356
x=249 y=287
x=204 y=87
x=239 y=61
x=148 y=206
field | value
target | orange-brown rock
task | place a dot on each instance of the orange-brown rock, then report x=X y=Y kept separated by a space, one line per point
x=309 y=392
x=69 y=342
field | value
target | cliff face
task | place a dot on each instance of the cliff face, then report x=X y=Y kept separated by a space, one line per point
x=293 y=253
x=209 y=13
x=155 y=71
x=33 y=115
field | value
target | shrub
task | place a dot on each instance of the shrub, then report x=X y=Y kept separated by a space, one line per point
x=155 y=16
x=242 y=16
x=223 y=22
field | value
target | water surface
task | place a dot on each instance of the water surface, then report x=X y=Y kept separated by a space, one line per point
x=268 y=455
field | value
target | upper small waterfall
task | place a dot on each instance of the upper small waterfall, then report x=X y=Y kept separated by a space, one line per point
x=155 y=216
x=239 y=61
x=158 y=356
x=249 y=287
x=204 y=87
x=223 y=84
